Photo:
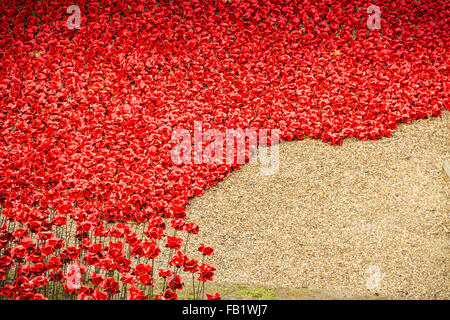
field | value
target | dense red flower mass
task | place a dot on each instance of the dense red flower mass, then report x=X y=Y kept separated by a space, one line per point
x=87 y=115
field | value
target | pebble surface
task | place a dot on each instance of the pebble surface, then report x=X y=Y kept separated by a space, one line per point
x=366 y=217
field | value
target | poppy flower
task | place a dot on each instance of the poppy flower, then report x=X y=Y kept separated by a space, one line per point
x=7 y=290
x=31 y=296
x=39 y=268
x=56 y=243
x=99 y=295
x=127 y=278
x=169 y=295
x=135 y=294
x=190 y=266
x=5 y=262
x=53 y=263
x=206 y=273
x=46 y=249
x=175 y=283
x=216 y=296
x=166 y=272
x=154 y=233
x=83 y=296
x=56 y=276
x=40 y=281
x=174 y=242
x=115 y=249
x=177 y=224
x=95 y=248
x=142 y=269
x=151 y=250
x=92 y=259
x=178 y=259
x=123 y=264
x=97 y=279
x=107 y=264
x=207 y=251
x=145 y=279
x=191 y=228
x=111 y=286
x=20 y=232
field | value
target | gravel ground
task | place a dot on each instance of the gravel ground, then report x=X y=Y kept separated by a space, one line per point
x=335 y=215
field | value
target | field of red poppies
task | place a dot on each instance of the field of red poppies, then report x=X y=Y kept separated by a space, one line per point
x=92 y=205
